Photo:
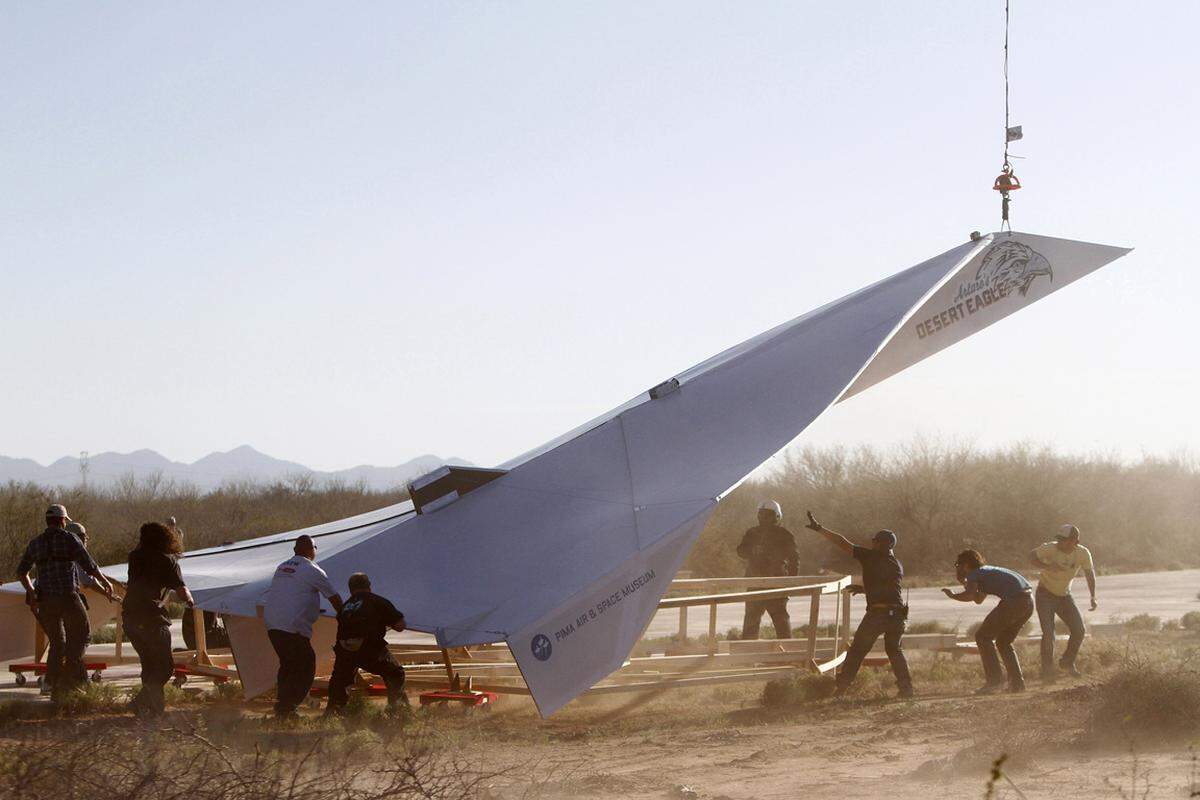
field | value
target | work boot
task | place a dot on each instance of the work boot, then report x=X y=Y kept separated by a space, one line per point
x=906 y=693
x=1016 y=687
x=1070 y=669
x=990 y=688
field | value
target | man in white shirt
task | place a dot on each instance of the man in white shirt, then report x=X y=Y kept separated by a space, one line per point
x=292 y=605
x=1060 y=562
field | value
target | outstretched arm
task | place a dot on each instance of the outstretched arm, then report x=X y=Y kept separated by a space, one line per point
x=842 y=543
x=970 y=594
x=1091 y=580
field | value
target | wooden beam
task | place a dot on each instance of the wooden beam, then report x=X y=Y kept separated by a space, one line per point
x=201 y=636
x=739 y=597
x=846 y=615
x=712 y=629
x=814 y=620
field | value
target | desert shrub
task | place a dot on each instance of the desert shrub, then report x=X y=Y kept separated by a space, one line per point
x=95 y=698
x=1190 y=621
x=1150 y=698
x=942 y=497
x=235 y=511
x=105 y=634
x=1143 y=622
x=167 y=763
x=932 y=626
x=1171 y=625
x=226 y=692
x=795 y=689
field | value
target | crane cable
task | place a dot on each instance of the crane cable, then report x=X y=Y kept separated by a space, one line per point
x=1006 y=121
x=1007 y=181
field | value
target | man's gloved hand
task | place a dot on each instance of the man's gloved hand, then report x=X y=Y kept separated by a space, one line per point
x=813 y=525
x=1095 y=605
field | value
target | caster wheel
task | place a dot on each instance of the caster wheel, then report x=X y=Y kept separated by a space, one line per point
x=21 y=679
x=96 y=678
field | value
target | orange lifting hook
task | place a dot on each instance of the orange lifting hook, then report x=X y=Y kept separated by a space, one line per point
x=1007 y=181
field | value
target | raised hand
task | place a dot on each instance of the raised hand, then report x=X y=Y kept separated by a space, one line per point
x=812 y=522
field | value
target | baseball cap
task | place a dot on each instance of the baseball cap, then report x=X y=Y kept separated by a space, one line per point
x=1067 y=532
x=885 y=536
x=57 y=510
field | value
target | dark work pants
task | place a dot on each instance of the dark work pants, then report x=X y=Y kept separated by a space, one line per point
x=297 y=668
x=1050 y=605
x=64 y=619
x=376 y=662
x=777 y=608
x=888 y=624
x=997 y=632
x=151 y=638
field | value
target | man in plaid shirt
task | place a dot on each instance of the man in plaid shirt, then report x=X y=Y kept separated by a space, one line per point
x=56 y=602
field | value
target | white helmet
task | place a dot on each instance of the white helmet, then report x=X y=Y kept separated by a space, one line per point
x=771 y=505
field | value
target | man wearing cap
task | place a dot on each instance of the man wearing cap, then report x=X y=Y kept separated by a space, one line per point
x=292 y=605
x=1003 y=623
x=363 y=622
x=1060 y=561
x=886 y=615
x=56 y=602
x=769 y=550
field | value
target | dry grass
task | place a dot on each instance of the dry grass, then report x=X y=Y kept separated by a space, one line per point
x=939 y=498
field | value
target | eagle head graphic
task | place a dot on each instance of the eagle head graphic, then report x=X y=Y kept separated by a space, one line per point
x=1012 y=265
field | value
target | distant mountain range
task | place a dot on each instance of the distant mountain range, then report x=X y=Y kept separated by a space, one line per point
x=240 y=464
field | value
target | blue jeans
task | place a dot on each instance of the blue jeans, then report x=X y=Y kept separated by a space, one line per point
x=996 y=635
x=1050 y=605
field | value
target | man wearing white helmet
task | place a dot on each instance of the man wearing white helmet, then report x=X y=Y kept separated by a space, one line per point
x=1060 y=562
x=769 y=550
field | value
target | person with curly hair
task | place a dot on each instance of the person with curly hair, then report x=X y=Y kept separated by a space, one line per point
x=153 y=572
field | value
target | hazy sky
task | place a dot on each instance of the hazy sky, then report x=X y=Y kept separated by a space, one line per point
x=356 y=233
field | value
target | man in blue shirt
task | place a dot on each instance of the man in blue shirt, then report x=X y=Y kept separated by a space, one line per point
x=1002 y=625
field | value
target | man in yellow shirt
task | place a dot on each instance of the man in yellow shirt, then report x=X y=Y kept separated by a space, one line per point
x=1060 y=562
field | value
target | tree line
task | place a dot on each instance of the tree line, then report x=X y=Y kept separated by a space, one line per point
x=1134 y=515
x=939 y=498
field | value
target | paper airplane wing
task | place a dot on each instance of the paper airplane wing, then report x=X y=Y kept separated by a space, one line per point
x=567 y=554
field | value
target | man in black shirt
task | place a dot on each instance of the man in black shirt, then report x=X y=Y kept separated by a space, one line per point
x=362 y=623
x=769 y=550
x=886 y=612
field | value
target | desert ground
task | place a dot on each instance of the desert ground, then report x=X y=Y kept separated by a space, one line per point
x=1124 y=730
